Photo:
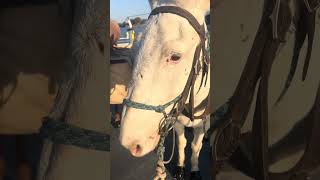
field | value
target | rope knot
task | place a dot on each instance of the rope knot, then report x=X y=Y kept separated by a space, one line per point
x=159 y=109
x=160 y=171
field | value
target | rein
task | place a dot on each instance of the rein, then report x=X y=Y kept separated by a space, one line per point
x=179 y=103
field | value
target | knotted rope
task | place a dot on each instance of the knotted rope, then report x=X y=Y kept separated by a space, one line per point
x=165 y=128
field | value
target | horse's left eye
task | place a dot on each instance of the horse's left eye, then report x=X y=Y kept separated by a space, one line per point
x=175 y=57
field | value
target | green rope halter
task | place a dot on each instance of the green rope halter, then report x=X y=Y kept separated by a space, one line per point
x=159 y=108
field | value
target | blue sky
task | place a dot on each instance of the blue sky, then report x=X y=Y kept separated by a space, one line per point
x=120 y=9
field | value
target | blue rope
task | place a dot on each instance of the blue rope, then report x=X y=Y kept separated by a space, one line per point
x=165 y=127
x=62 y=133
x=159 y=108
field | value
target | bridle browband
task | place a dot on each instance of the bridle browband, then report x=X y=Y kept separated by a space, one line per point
x=197 y=65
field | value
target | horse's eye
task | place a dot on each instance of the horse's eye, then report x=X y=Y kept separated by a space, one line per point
x=175 y=57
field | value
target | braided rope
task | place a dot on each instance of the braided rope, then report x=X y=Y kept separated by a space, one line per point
x=159 y=108
x=67 y=134
x=165 y=127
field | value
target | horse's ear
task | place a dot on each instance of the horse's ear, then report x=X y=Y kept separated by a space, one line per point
x=153 y=4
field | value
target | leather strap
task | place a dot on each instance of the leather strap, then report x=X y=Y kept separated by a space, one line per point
x=258 y=165
x=183 y=13
x=188 y=90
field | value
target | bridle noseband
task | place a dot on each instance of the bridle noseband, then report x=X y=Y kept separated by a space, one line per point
x=197 y=65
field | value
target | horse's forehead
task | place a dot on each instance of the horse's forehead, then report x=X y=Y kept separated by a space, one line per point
x=173 y=26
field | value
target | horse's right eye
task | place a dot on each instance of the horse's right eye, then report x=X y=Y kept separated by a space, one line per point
x=175 y=57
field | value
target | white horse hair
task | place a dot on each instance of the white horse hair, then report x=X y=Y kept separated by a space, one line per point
x=157 y=79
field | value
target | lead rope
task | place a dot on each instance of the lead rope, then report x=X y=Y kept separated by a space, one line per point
x=165 y=127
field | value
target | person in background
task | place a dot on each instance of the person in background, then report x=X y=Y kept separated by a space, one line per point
x=130 y=31
x=114 y=37
x=118 y=76
x=114 y=33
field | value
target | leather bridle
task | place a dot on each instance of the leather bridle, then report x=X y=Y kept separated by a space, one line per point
x=179 y=103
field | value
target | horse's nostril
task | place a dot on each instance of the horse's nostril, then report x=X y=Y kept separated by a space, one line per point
x=136 y=149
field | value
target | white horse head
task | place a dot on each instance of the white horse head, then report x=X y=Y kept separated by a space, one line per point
x=162 y=66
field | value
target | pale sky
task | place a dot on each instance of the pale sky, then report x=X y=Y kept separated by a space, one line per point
x=120 y=9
